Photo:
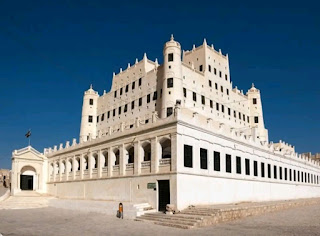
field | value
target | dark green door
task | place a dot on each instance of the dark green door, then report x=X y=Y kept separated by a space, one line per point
x=26 y=182
x=164 y=194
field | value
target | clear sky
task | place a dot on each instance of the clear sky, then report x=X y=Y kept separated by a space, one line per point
x=51 y=51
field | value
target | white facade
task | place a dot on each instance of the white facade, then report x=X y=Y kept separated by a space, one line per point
x=183 y=122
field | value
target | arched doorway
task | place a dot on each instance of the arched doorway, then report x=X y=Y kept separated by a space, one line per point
x=27 y=178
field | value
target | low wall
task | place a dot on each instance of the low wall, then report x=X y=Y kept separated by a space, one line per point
x=202 y=190
x=127 y=189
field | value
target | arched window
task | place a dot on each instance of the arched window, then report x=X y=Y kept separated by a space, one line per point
x=165 y=148
x=146 y=151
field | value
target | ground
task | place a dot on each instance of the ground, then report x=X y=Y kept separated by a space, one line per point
x=52 y=221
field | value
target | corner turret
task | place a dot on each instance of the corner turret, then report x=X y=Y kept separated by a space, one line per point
x=88 y=127
x=172 y=91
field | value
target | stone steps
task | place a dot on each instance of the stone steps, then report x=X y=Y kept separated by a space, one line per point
x=204 y=216
x=25 y=201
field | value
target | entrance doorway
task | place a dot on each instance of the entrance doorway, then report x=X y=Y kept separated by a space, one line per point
x=26 y=182
x=164 y=194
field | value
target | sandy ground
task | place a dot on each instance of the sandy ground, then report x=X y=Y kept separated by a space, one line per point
x=52 y=221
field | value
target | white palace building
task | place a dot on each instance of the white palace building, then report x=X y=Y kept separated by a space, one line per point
x=176 y=133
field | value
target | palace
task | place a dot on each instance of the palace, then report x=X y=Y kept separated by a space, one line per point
x=176 y=133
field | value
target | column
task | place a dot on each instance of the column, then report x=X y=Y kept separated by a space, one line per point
x=137 y=158
x=66 y=170
x=100 y=164
x=74 y=169
x=110 y=163
x=122 y=160
x=54 y=171
x=60 y=170
x=18 y=181
x=81 y=166
x=175 y=154
x=154 y=155
x=90 y=166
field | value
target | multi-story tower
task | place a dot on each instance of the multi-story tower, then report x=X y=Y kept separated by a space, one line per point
x=88 y=128
x=172 y=89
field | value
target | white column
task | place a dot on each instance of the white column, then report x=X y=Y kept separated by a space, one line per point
x=110 y=162
x=154 y=155
x=137 y=158
x=175 y=154
x=90 y=166
x=100 y=164
x=74 y=169
x=60 y=170
x=122 y=160
x=81 y=166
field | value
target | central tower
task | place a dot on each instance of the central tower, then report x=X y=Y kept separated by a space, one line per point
x=172 y=91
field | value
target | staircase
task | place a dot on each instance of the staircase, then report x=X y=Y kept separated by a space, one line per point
x=200 y=216
x=143 y=208
x=25 y=200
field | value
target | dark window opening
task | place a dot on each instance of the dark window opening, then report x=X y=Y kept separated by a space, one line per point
x=247 y=164
x=140 y=81
x=216 y=161
x=228 y=163
x=262 y=169
x=185 y=92
x=200 y=68
x=254 y=101
x=133 y=85
x=90 y=119
x=256 y=119
x=155 y=95
x=170 y=57
x=194 y=96
x=132 y=105
x=269 y=171
x=203 y=158
x=275 y=172
x=148 y=98
x=203 y=100
x=140 y=102
x=170 y=83
x=169 y=111
x=238 y=160
x=255 y=168
x=91 y=101
x=188 y=156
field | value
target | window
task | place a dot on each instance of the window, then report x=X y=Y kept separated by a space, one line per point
x=220 y=74
x=211 y=104
x=248 y=119
x=285 y=174
x=188 y=156
x=97 y=119
x=238 y=160
x=210 y=83
x=200 y=68
x=254 y=101
x=121 y=91
x=302 y=177
x=148 y=98
x=222 y=108
x=298 y=175
x=228 y=163
x=203 y=158
x=227 y=91
x=290 y=175
x=140 y=81
x=155 y=95
x=114 y=112
x=239 y=115
x=90 y=101
x=194 y=96
x=244 y=117
x=133 y=85
x=294 y=175
x=215 y=71
x=102 y=117
x=169 y=111
x=170 y=83
x=275 y=172
x=247 y=163
x=132 y=105
x=170 y=57
x=262 y=169
x=140 y=102
x=216 y=161
x=229 y=111
x=216 y=86
x=226 y=76
x=185 y=92
x=125 y=108
x=209 y=68
x=256 y=119
x=234 y=114
x=108 y=114
x=280 y=172
x=203 y=100
x=127 y=88
x=221 y=89
x=115 y=94
x=255 y=168
x=269 y=171
x=217 y=106
x=90 y=119
x=119 y=110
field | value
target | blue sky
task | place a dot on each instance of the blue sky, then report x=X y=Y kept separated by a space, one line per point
x=51 y=51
